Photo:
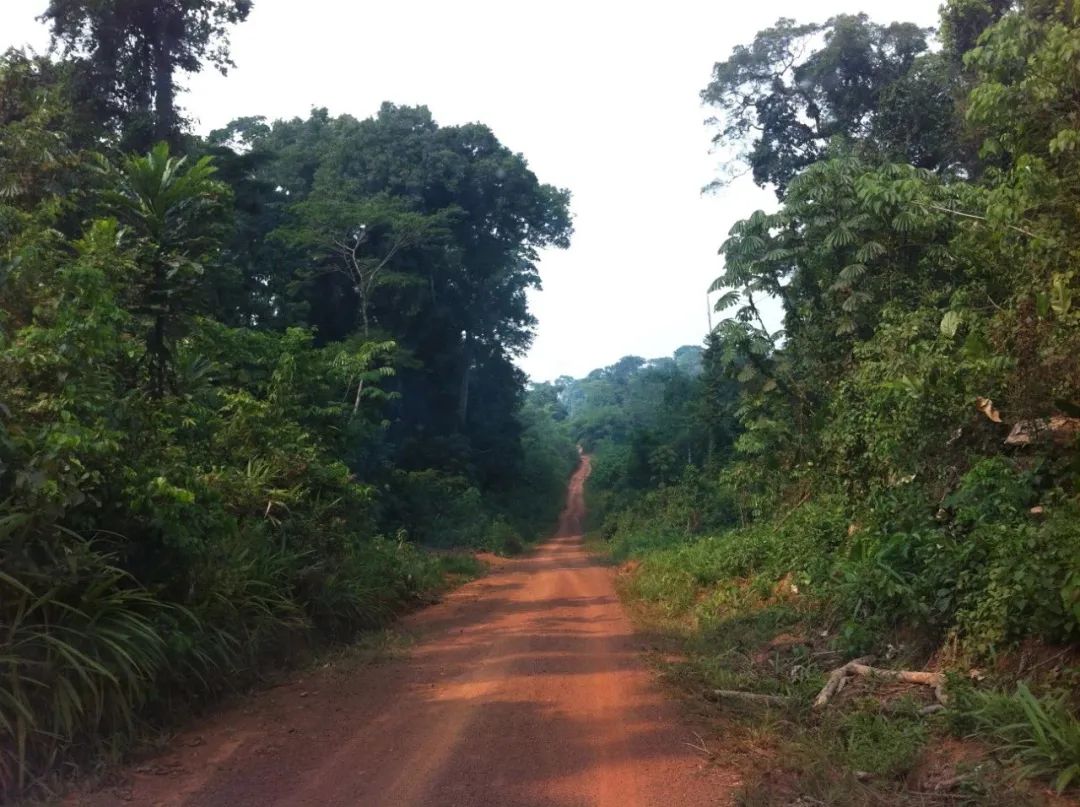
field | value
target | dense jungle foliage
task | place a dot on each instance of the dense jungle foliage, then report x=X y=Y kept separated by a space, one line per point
x=894 y=464
x=245 y=378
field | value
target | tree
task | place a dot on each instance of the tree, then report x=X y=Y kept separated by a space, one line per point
x=454 y=224
x=172 y=213
x=360 y=239
x=783 y=98
x=716 y=405
x=131 y=50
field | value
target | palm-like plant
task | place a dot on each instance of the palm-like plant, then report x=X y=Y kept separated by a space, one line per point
x=78 y=651
x=171 y=214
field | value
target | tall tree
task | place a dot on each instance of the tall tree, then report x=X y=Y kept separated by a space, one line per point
x=797 y=87
x=457 y=303
x=132 y=49
x=359 y=239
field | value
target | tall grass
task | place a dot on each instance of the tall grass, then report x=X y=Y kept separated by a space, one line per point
x=88 y=656
x=1039 y=736
x=78 y=654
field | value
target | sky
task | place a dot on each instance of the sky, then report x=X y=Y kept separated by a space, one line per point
x=601 y=97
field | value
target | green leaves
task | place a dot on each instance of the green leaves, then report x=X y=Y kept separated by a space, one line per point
x=855 y=300
x=1061 y=294
x=161 y=198
x=950 y=323
x=849 y=275
x=725 y=300
x=786 y=98
x=842 y=236
x=171 y=219
x=869 y=250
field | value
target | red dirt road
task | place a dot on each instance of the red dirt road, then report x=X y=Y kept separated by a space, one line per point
x=525 y=688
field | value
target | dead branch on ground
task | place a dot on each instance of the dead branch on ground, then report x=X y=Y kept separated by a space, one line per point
x=838 y=678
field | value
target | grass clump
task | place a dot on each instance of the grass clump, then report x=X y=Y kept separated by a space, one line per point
x=883 y=745
x=1038 y=736
x=460 y=566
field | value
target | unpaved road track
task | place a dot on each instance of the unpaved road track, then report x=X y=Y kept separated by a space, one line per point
x=524 y=688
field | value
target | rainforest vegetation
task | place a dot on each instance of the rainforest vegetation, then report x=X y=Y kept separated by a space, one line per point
x=891 y=469
x=246 y=378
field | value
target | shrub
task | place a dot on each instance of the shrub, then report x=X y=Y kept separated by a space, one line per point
x=440 y=509
x=990 y=572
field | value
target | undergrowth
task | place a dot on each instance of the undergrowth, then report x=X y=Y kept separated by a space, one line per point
x=1039 y=737
x=91 y=662
x=745 y=621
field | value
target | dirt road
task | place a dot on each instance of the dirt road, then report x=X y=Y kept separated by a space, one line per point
x=524 y=688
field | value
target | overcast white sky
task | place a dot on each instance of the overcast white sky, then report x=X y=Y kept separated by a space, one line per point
x=601 y=97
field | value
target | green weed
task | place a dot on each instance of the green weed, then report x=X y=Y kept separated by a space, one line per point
x=461 y=565
x=1039 y=736
x=878 y=744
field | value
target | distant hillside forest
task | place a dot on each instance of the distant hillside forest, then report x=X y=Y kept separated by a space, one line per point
x=646 y=423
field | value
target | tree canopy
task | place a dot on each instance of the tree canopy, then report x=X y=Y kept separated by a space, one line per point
x=129 y=52
x=783 y=99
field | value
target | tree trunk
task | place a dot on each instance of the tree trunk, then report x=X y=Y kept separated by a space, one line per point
x=157 y=347
x=359 y=395
x=165 y=118
x=364 y=314
x=466 y=376
x=159 y=356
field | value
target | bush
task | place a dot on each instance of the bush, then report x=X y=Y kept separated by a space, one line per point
x=695 y=505
x=441 y=510
x=989 y=571
x=800 y=545
x=983 y=568
x=81 y=650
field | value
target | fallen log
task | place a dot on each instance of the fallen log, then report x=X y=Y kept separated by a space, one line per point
x=860 y=666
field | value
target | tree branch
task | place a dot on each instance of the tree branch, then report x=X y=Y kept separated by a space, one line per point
x=983 y=219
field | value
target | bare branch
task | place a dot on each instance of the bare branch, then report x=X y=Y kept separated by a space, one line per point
x=983 y=219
